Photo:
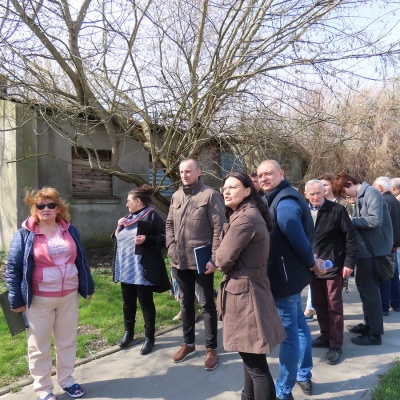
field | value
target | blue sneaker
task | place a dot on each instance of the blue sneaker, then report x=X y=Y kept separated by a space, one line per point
x=74 y=390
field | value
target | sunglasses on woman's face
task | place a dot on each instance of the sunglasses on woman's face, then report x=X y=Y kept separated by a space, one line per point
x=42 y=206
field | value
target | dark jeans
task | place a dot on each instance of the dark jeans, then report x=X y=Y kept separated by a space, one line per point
x=369 y=290
x=258 y=382
x=186 y=280
x=130 y=294
x=326 y=295
x=390 y=290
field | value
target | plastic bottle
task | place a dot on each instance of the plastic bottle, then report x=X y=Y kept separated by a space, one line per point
x=327 y=264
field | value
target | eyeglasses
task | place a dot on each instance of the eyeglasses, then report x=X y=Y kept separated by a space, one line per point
x=42 y=206
x=223 y=189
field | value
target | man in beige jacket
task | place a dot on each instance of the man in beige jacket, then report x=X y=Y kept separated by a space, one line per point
x=195 y=218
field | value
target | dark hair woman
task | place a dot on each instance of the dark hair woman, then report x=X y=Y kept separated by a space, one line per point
x=138 y=263
x=251 y=324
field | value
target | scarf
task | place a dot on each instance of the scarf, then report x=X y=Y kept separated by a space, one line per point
x=132 y=218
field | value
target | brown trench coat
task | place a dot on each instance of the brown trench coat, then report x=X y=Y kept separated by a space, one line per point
x=251 y=323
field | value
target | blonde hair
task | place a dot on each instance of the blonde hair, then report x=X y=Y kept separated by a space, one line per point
x=35 y=196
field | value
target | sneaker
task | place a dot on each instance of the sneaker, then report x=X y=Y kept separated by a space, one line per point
x=367 y=340
x=211 y=360
x=309 y=318
x=74 y=390
x=320 y=341
x=333 y=356
x=397 y=309
x=184 y=352
x=361 y=329
x=305 y=386
x=49 y=396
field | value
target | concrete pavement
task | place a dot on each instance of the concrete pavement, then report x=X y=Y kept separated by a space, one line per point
x=125 y=374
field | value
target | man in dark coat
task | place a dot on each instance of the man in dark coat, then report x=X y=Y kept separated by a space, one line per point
x=390 y=290
x=334 y=240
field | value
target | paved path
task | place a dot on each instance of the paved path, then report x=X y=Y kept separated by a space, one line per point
x=128 y=375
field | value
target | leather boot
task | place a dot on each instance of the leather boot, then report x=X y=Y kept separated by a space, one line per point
x=126 y=339
x=129 y=322
x=245 y=397
x=147 y=346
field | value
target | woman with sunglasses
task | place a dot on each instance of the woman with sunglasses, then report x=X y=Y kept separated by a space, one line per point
x=251 y=324
x=46 y=269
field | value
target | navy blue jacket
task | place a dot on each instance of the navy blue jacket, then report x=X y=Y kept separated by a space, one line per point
x=20 y=265
x=291 y=253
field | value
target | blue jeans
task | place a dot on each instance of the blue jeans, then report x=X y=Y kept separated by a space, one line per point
x=390 y=290
x=295 y=353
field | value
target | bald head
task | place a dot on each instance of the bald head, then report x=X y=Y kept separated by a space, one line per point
x=270 y=175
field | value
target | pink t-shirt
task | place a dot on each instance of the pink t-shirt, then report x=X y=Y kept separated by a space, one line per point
x=59 y=279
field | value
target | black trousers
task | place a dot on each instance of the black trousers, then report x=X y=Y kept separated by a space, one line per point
x=370 y=295
x=186 y=280
x=258 y=382
x=130 y=294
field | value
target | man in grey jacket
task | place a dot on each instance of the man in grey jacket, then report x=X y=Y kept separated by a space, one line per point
x=374 y=232
x=195 y=218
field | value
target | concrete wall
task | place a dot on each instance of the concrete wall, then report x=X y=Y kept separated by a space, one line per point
x=15 y=143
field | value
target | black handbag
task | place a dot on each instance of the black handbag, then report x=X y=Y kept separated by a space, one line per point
x=382 y=266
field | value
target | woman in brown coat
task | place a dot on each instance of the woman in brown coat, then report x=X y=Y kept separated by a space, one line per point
x=251 y=324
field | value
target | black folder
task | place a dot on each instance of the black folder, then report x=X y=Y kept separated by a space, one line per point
x=202 y=255
x=16 y=321
x=146 y=228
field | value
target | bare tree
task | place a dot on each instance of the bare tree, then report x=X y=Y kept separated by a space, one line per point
x=174 y=75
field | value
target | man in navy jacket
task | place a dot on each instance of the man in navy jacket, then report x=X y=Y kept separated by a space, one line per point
x=290 y=260
x=334 y=240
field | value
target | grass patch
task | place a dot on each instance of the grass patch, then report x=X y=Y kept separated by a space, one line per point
x=389 y=384
x=100 y=325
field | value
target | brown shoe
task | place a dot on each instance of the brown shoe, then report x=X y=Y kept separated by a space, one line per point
x=211 y=360
x=184 y=352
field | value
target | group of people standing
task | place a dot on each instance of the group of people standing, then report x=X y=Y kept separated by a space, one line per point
x=268 y=242
x=267 y=259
